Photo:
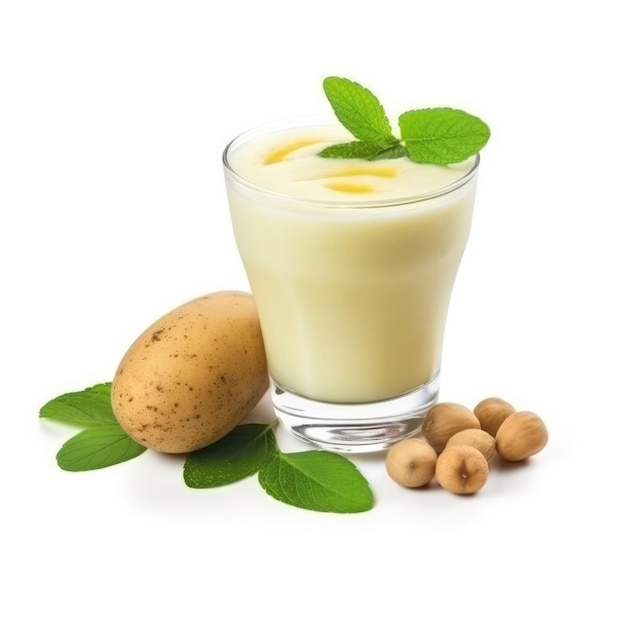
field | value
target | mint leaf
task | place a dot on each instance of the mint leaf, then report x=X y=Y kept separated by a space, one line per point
x=442 y=135
x=97 y=447
x=316 y=480
x=87 y=408
x=359 y=110
x=368 y=150
x=236 y=456
x=392 y=152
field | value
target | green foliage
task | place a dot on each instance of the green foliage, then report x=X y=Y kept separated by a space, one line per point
x=236 y=456
x=84 y=408
x=97 y=447
x=440 y=135
x=317 y=480
x=102 y=442
x=358 y=109
x=313 y=480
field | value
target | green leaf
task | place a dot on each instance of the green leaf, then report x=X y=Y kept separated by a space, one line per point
x=317 y=480
x=98 y=447
x=89 y=407
x=393 y=152
x=358 y=109
x=442 y=135
x=368 y=150
x=234 y=457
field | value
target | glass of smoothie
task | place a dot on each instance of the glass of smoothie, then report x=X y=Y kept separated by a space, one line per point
x=352 y=265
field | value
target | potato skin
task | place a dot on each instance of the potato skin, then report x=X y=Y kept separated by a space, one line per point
x=193 y=375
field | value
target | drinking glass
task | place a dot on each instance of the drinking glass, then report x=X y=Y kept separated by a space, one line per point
x=352 y=296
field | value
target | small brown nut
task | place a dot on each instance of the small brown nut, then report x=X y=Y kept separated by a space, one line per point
x=521 y=435
x=491 y=412
x=411 y=462
x=477 y=438
x=462 y=469
x=444 y=420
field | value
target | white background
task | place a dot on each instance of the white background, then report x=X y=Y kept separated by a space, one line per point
x=113 y=117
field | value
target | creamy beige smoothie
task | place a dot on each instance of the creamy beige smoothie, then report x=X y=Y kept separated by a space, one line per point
x=352 y=265
x=351 y=262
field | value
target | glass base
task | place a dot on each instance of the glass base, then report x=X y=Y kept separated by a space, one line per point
x=368 y=427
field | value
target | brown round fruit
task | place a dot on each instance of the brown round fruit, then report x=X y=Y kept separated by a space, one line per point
x=444 y=420
x=411 y=462
x=462 y=469
x=521 y=435
x=491 y=412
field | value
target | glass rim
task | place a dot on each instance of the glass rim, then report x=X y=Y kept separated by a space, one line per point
x=303 y=122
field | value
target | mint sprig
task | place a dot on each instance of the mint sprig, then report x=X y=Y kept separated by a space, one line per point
x=439 y=136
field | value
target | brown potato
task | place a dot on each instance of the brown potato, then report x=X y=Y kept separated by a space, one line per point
x=193 y=375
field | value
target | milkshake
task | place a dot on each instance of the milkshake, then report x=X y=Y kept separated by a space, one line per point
x=352 y=264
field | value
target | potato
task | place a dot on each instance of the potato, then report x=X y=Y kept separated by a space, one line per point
x=193 y=375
